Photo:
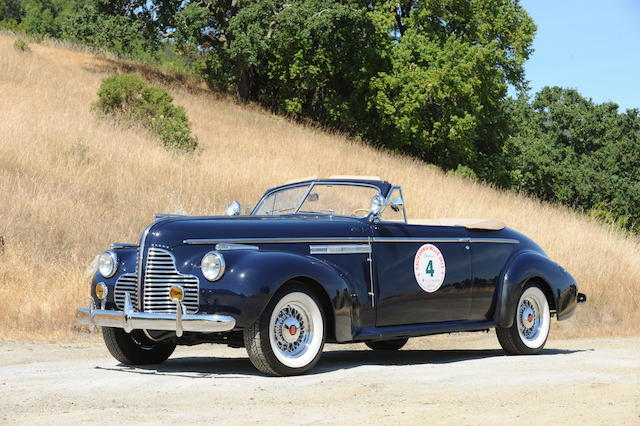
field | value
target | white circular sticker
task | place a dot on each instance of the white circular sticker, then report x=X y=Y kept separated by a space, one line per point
x=429 y=268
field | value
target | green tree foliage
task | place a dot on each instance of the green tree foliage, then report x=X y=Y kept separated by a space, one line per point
x=131 y=29
x=36 y=17
x=428 y=77
x=11 y=13
x=315 y=59
x=123 y=35
x=570 y=150
x=443 y=97
x=129 y=97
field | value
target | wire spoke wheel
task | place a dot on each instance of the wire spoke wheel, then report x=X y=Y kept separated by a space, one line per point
x=531 y=324
x=292 y=329
x=289 y=337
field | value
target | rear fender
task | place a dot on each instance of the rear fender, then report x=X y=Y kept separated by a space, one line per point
x=520 y=271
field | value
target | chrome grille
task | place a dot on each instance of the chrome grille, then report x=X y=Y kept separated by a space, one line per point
x=126 y=282
x=160 y=274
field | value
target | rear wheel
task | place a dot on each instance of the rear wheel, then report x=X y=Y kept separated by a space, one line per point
x=387 y=345
x=530 y=329
x=289 y=336
x=135 y=348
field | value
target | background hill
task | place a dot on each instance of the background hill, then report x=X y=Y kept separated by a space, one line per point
x=72 y=183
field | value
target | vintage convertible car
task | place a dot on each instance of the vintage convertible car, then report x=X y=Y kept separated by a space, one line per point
x=322 y=260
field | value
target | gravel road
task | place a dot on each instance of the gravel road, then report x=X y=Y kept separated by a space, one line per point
x=457 y=379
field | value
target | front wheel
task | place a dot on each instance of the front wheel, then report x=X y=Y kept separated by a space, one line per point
x=135 y=348
x=530 y=328
x=289 y=336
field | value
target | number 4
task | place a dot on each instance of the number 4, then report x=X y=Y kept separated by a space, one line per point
x=430 y=270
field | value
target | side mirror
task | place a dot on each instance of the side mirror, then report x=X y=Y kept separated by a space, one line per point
x=397 y=204
x=377 y=204
x=233 y=209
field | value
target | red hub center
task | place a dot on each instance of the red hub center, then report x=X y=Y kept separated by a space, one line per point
x=292 y=330
x=530 y=318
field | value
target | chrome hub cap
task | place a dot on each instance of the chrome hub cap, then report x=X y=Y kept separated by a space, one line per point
x=529 y=319
x=290 y=330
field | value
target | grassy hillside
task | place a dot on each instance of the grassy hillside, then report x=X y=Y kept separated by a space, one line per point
x=71 y=183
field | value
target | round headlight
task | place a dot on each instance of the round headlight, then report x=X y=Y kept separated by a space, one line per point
x=107 y=264
x=212 y=266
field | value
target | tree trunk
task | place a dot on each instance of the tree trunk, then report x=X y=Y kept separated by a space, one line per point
x=243 y=85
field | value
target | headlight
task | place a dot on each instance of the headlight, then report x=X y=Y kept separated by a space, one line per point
x=212 y=266
x=108 y=264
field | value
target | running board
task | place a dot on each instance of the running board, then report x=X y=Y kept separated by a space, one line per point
x=414 y=330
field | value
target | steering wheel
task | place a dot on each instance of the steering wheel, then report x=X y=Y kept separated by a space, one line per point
x=356 y=211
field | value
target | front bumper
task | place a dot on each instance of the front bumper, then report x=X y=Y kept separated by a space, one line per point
x=131 y=320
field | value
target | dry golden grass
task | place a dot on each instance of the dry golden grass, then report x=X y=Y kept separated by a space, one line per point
x=71 y=184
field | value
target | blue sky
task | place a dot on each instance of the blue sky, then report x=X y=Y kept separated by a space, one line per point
x=592 y=46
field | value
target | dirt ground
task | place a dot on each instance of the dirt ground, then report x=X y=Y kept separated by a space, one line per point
x=457 y=379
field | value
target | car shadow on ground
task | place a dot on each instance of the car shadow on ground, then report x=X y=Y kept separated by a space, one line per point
x=206 y=367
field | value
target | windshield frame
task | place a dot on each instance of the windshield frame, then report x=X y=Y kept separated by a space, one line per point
x=310 y=185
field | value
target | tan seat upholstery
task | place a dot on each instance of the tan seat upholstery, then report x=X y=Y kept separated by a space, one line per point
x=472 y=224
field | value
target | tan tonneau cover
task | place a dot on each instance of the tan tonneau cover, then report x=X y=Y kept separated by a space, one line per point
x=472 y=224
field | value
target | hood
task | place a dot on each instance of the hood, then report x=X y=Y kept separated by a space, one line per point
x=172 y=231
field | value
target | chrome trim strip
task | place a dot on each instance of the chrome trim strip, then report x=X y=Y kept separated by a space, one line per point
x=419 y=240
x=166 y=215
x=267 y=240
x=443 y=240
x=123 y=245
x=227 y=246
x=340 y=249
x=494 y=240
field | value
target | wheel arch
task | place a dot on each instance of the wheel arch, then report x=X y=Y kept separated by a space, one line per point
x=322 y=296
x=529 y=267
x=545 y=287
x=267 y=273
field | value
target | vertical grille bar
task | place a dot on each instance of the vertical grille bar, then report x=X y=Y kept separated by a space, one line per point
x=160 y=274
x=126 y=283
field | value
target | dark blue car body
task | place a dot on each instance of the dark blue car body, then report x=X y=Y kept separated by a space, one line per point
x=368 y=291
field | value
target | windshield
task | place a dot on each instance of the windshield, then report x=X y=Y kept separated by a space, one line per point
x=319 y=198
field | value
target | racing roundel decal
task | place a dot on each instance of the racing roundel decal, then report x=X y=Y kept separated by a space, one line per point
x=429 y=268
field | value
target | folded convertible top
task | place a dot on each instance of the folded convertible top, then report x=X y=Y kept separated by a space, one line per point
x=472 y=224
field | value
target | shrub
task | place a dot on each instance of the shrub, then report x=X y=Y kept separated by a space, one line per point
x=21 y=45
x=129 y=97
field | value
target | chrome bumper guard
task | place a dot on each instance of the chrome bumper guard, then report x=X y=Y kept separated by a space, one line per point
x=130 y=320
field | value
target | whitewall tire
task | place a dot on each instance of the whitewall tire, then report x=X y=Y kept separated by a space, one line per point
x=530 y=329
x=289 y=336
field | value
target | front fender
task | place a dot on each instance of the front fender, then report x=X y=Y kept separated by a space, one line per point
x=253 y=277
x=528 y=265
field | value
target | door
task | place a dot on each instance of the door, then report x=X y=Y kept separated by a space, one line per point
x=422 y=274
